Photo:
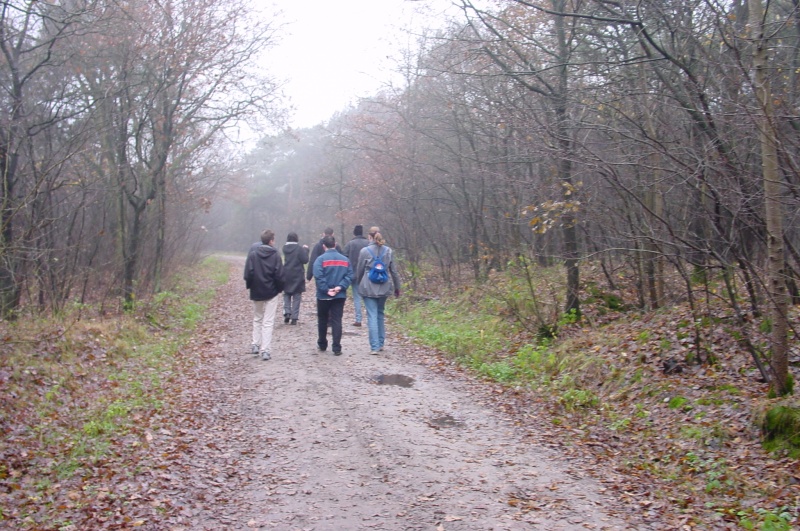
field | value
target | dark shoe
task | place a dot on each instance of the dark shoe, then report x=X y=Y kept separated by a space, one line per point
x=254 y=350
x=265 y=356
x=357 y=323
x=337 y=352
x=285 y=319
x=294 y=321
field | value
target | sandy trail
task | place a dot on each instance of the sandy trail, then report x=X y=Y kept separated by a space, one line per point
x=310 y=441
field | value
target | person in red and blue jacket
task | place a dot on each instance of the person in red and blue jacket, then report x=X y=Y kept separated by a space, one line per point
x=333 y=275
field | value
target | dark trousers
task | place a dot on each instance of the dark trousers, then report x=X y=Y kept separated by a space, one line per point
x=330 y=310
x=291 y=305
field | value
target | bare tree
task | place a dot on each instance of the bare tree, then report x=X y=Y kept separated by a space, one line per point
x=536 y=50
x=773 y=192
x=31 y=107
x=166 y=80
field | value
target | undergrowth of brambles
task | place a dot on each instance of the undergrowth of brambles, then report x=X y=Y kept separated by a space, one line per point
x=671 y=398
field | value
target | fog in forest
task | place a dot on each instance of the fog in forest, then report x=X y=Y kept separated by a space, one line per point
x=652 y=140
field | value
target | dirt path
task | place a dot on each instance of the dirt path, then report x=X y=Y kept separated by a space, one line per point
x=310 y=441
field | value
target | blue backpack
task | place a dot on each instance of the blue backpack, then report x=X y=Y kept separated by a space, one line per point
x=377 y=273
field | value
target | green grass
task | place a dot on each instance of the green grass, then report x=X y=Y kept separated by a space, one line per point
x=573 y=399
x=780 y=426
x=678 y=402
x=462 y=334
x=469 y=330
x=779 y=519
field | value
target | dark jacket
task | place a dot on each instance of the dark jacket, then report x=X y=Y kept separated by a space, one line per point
x=317 y=250
x=295 y=256
x=332 y=269
x=353 y=248
x=263 y=273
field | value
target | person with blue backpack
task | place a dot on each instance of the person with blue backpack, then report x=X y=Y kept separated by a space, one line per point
x=377 y=279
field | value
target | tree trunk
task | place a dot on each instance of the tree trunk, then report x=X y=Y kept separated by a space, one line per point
x=9 y=287
x=654 y=262
x=132 y=258
x=570 y=231
x=776 y=280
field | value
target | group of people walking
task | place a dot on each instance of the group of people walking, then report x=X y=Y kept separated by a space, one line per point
x=334 y=271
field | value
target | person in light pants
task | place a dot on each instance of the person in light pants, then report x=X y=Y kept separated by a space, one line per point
x=263 y=276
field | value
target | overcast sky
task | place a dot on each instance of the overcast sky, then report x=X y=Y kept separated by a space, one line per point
x=334 y=51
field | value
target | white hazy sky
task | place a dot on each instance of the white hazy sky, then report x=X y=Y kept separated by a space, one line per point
x=334 y=51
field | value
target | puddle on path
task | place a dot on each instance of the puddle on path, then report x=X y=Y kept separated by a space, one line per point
x=445 y=421
x=399 y=380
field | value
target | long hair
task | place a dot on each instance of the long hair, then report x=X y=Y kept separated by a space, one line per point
x=378 y=239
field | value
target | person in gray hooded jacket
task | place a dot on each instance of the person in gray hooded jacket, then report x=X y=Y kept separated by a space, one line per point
x=375 y=294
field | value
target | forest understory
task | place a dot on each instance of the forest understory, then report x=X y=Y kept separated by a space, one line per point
x=90 y=406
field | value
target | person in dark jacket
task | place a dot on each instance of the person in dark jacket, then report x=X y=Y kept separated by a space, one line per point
x=295 y=257
x=263 y=276
x=351 y=251
x=317 y=250
x=333 y=274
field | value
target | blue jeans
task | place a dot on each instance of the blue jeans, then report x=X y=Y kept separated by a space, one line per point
x=374 y=306
x=357 y=303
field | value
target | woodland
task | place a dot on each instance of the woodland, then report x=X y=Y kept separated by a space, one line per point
x=648 y=151
x=652 y=140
